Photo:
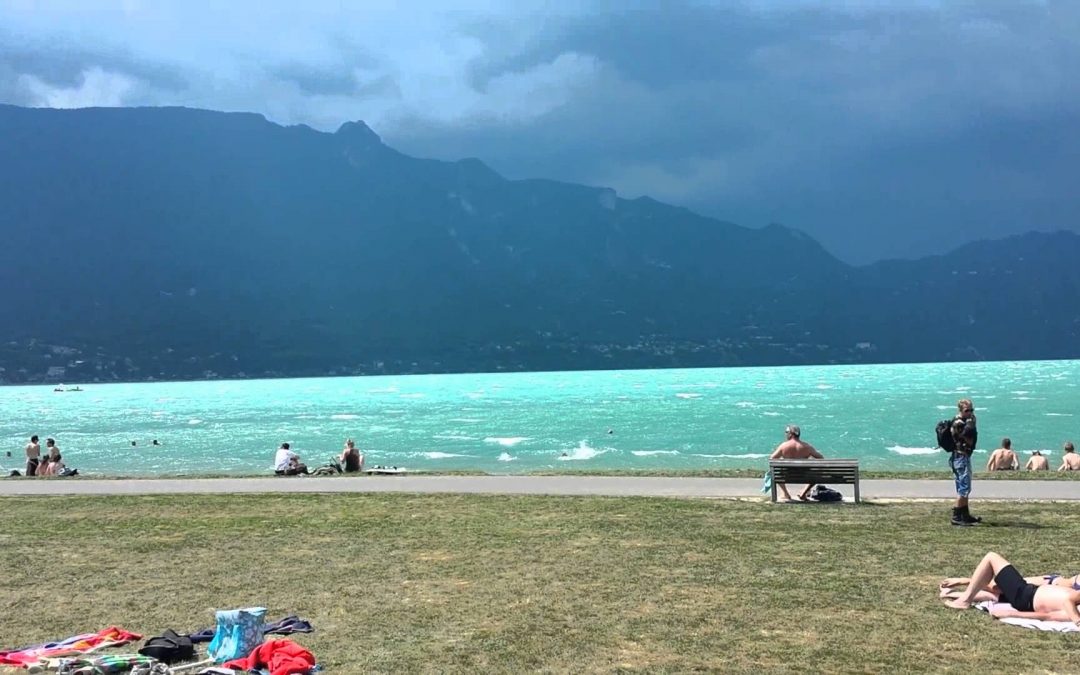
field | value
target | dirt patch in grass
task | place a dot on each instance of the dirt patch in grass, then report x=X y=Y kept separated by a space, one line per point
x=465 y=583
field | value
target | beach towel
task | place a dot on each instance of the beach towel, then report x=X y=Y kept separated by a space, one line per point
x=98 y=665
x=238 y=632
x=80 y=644
x=1034 y=624
x=767 y=485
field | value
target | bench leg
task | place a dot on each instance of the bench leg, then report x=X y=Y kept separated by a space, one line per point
x=856 y=487
x=774 y=490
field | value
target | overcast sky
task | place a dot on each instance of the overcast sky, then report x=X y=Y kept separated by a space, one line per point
x=883 y=128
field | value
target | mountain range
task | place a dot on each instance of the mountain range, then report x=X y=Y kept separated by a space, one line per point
x=172 y=243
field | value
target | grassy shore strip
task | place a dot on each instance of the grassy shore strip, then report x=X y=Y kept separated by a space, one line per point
x=646 y=473
x=457 y=583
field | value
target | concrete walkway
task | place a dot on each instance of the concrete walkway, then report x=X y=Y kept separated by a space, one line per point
x=529 y=485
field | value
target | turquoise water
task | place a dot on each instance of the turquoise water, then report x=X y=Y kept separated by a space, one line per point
x=511 y=423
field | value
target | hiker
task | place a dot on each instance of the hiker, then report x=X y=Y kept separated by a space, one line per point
x=351 y=458
x=1003 y=459
x=33 y=456
x=1049 y=602
x=1037 y=462
x=794 y=448
x=1070 y=461
x=965 y=436
x=287 y=462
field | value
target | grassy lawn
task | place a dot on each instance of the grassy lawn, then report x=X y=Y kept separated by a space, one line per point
x=403 y=583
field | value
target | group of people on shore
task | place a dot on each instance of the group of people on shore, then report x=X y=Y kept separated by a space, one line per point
x=49 y=464
x=288 y=463
x=1005 y=459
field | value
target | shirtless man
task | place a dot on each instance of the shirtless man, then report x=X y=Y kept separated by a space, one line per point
x=1003 y=459
x=1037 y=462
x=1070 y=461
x=33 y=456
x=1049 y=602
x=794 y=448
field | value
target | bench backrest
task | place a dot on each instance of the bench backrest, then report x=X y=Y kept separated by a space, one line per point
x=842 y=471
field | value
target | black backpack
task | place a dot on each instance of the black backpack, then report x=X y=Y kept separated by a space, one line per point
x=823 y=493
x=945 y=438
x=169 y=647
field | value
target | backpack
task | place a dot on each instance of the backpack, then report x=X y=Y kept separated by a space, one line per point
x=945 y=438
x=824 y=493
x=169 y=647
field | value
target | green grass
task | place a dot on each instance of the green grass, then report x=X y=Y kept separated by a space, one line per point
x=405 y=583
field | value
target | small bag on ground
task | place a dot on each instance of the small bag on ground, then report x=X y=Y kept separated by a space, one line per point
x=824 y=493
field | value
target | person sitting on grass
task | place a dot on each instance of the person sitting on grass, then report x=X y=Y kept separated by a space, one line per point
x=794 y=448
x=351 y=458
x=1070 y=461
x=1003 y=459
x=1037 y=462
x=287 y=462
x=1048 y=602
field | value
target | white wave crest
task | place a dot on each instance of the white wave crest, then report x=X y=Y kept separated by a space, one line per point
x=771 y=414
x=903 y=450
x=1058 y=414
x=581 y=452
x=749 y=455
x=344 y=417
x=506 y=457
x=194 y=420
x=745 y=404
x=684 y=395
x=650 y=453
x=506 y=441
x=440 y=455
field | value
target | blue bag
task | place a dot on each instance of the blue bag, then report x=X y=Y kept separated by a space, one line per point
x=238 y=633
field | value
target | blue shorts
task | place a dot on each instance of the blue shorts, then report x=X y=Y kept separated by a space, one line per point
x=961 y=468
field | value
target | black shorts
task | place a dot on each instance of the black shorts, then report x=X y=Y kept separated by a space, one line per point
x=1014 y=590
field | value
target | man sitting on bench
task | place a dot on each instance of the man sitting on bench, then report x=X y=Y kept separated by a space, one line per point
x=793 y=448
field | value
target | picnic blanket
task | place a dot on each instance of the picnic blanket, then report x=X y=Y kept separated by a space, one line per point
x=1034 y=624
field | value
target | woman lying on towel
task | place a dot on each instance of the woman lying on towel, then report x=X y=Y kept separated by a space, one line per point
x=950 y=588
x=1046 y=601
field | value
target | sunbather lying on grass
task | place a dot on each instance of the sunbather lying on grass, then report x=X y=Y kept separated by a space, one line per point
x=1049 y=602
x=952 y=587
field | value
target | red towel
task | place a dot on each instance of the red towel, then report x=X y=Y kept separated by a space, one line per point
x=282 y=657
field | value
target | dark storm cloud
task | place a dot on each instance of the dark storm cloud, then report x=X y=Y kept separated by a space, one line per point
x=884 y=128
x=64 y=64
x=879 y=130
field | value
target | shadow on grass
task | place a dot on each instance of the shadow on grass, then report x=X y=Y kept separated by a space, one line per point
x=825 y=505
x=1018 y=524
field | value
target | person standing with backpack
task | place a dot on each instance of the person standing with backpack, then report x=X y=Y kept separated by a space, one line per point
x=964 y=436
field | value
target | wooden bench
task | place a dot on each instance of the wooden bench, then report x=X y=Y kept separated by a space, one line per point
x=823 y=471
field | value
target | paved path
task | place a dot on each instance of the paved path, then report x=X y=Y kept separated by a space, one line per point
x=529 y=485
